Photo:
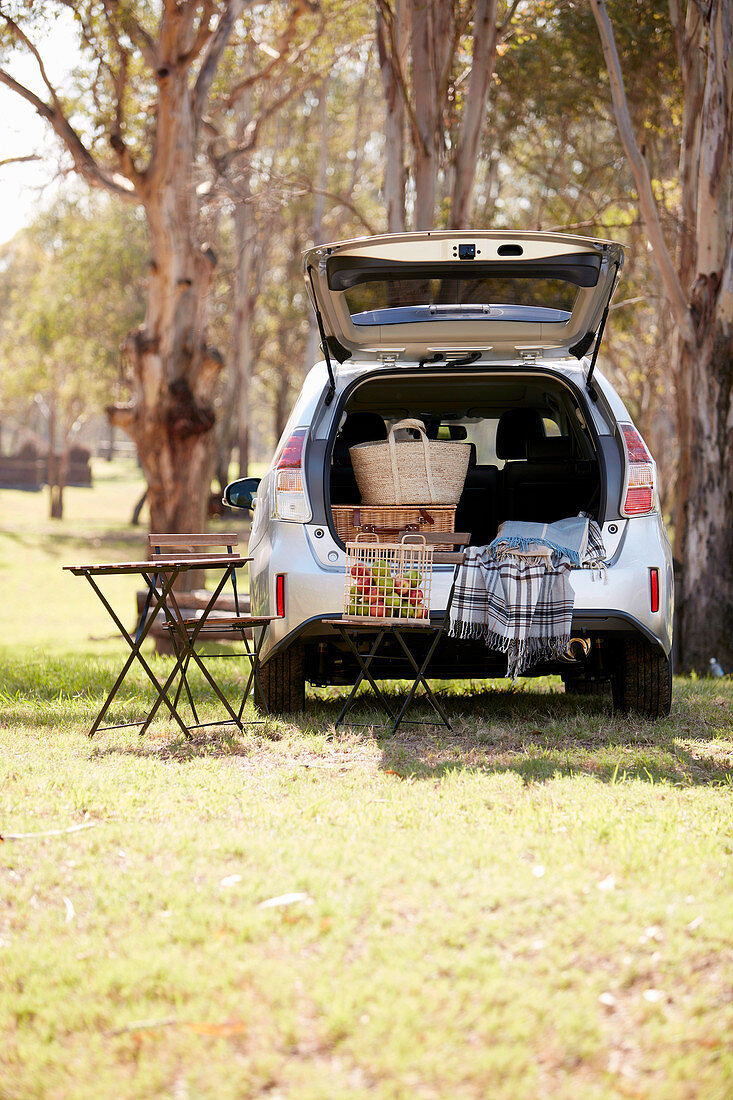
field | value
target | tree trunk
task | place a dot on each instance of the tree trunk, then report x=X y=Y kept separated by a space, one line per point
x=474 y=112
x=427 y=131
x=700 y=292
x=319 y=206
x=704 y=367
x=705 y=606
x=55 y=486
x=242 y=354
x=395 y=171
x=175 y=372
x=281 y=406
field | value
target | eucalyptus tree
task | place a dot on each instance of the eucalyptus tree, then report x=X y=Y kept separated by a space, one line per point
x=312 y=174
x=151 y=78
x=698 y=279
x=551 y=160
x=437 y=61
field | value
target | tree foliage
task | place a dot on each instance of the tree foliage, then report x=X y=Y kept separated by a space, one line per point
x=71 y=285
x=258 y=129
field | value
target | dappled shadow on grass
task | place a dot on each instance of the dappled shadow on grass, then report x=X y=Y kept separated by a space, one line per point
x=218 y=741
x=540 y=734
x=533 y=729
x=535 y=735
x=129 y=543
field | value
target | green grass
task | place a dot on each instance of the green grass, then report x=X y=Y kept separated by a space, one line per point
x=47 y=609
x=535 y=905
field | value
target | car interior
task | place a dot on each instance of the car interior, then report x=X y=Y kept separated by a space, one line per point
x=532 y=456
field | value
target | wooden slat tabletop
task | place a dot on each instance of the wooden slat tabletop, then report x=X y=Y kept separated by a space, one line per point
x=157 y=566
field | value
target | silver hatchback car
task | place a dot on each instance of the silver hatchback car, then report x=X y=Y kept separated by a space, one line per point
x=490 y=338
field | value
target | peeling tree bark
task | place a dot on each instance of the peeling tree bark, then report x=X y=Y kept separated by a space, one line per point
x=417 y=41
x=173 y=370
x=485 y=39
x=700 y=290
x=395 y=171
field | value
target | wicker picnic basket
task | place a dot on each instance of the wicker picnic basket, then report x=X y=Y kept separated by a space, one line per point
x=424 y=471
x=388 y=523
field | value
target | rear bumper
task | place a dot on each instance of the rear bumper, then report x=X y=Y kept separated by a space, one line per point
x=313 y=566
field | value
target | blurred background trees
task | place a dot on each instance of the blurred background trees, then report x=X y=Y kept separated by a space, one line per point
x=291 y=123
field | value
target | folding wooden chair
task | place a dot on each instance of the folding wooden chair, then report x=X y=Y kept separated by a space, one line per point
x=215 y=551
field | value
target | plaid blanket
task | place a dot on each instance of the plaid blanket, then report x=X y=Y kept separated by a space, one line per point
x=518 y=599
x=566 y=538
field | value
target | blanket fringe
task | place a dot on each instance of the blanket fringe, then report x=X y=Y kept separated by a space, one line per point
x=503 y=546
x=521 y=654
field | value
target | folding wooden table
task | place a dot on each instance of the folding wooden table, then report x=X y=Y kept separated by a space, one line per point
x=160 y=577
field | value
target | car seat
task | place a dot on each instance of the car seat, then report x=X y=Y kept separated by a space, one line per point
x=359 y=427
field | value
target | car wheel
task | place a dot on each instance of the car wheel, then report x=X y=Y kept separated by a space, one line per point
x=579 y=685
x=642 y=680
x=283 y=682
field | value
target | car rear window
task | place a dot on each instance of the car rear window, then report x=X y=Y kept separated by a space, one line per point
x=402 y=301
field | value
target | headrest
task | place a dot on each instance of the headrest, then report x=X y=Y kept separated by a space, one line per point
x=359 y=427
x=362 y=427
x=555 y=448
x=515 y=430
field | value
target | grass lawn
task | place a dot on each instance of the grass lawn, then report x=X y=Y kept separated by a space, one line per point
x=536 y=905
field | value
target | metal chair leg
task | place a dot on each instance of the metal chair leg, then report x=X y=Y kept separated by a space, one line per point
x=364 y=672
x=420 y=670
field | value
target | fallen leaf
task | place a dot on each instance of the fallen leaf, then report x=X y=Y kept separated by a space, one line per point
x=285 y=899
x=607 y=999
x=231 y=880
x=653 y=996
x=70 y=911
x=607 y=884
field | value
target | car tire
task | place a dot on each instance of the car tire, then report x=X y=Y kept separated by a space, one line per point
x=579 y=685
x=283 y=682
x=642 y=680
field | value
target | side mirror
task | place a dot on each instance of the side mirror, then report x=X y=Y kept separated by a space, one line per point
x=241 y=494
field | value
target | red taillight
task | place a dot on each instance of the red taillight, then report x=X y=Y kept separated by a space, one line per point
x=654 y=589
x=639 y=500
x=635 y=445
x=641 y=474
x=280 y=595
x=291 y=456
x=290 y=498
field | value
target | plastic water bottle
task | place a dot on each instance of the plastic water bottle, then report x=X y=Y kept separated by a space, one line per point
x=715 y=668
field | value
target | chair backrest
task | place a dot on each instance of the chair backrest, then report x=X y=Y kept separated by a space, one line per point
x=187 y=546
x=457 y=539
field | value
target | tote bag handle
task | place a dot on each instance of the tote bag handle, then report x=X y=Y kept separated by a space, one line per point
x=419 y=427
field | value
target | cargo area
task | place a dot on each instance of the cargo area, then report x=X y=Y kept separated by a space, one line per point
x=532 y=453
